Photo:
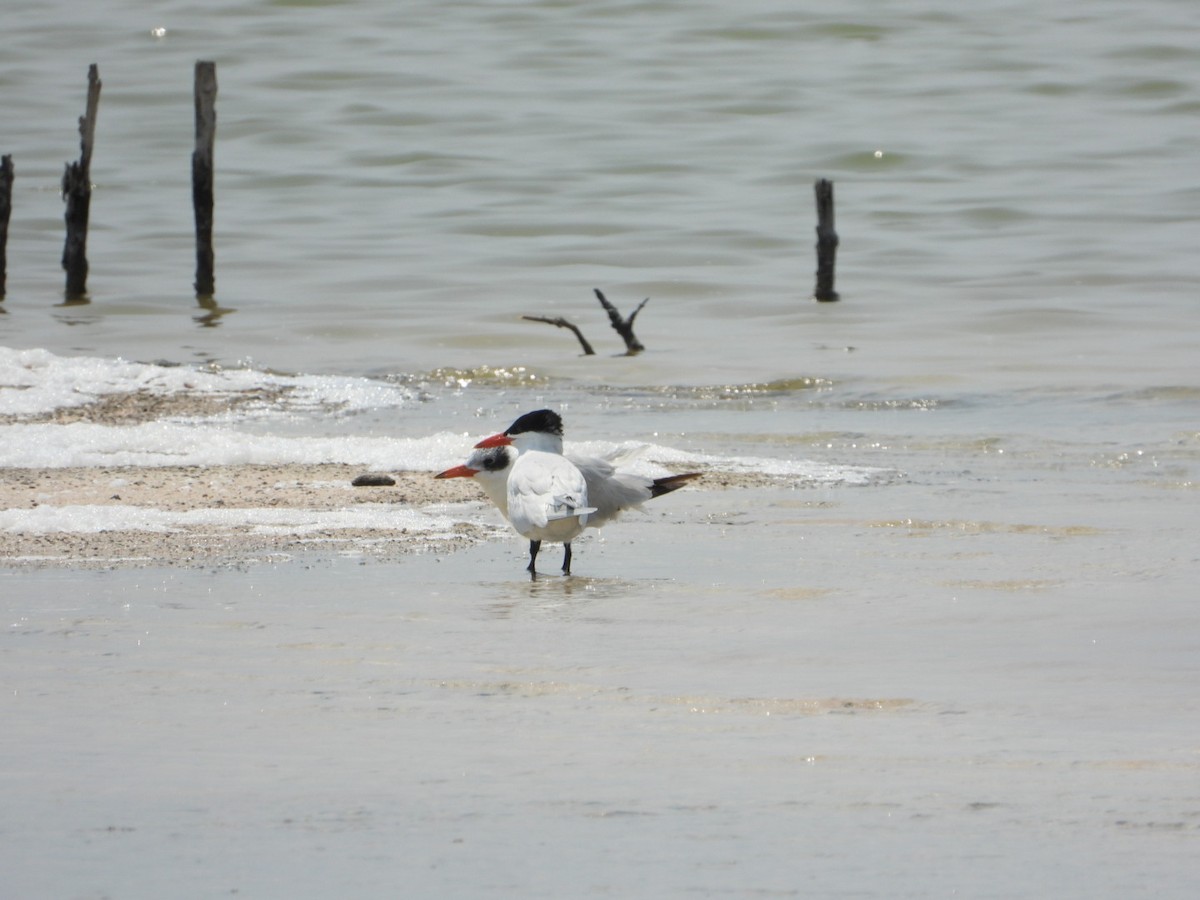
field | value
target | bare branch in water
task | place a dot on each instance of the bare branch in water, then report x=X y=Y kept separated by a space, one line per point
x=624 y=327
x=560 y=322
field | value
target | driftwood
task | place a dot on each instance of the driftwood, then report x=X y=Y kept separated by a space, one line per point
x=623 y=327
x=827 y=242
x=560 y=322
x=77 y=192
x=6 y=183
x=202 y=175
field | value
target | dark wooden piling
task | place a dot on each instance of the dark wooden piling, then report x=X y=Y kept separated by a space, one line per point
x=77 y=192
x=202 y=175
x=6 y=183
x=827 y=242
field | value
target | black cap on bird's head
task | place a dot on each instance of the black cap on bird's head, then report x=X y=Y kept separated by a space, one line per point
x=542 y=421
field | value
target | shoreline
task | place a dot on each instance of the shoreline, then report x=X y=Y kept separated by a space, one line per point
x=185 y=490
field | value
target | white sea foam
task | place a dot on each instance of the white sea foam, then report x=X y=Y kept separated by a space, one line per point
x=651 y=460
x=37 y=381
x=431 y=522
x=155 y=444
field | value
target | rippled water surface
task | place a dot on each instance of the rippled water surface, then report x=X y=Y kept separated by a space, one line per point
x=398 y=183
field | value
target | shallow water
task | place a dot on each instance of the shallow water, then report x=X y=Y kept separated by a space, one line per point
x=982 y=536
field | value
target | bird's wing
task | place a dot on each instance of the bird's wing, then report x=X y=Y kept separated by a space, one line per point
x=546 y=486
x=592 y=467
x=611 y=491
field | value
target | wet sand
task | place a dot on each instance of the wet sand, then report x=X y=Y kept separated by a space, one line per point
x=976 y=679
x=734 y=695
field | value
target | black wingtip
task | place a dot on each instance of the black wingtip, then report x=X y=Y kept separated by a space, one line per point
x=671 y=483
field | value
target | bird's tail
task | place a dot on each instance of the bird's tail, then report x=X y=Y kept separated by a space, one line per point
x=671 y=483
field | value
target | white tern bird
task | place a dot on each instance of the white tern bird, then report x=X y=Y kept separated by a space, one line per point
x=509 y=465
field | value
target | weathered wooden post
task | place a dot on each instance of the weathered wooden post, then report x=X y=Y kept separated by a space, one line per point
x=77 y=192
x=827 y=242
x=202 y=175
x=6 y=183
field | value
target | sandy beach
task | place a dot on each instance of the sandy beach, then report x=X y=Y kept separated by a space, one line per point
x=225 y=487
x=283 y=487
x=188 y=489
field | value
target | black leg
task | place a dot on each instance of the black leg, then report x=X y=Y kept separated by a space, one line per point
x=567 y=558
x=534 y=547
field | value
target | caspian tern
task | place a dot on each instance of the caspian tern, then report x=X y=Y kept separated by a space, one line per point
x=609 y=491
x=542 y=494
